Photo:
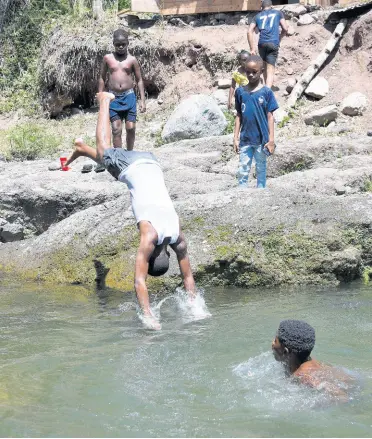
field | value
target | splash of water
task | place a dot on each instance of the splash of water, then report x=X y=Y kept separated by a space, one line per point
x=266 y=386
x=191 y=308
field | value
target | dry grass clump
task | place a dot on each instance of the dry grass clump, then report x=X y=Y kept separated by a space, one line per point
x=72 y=56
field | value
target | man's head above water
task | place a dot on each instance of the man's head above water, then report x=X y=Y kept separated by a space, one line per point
x=294 y=341
x=159 y=261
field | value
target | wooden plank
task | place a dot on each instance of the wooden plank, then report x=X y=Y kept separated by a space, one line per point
x=167 y=7
x=315 y=66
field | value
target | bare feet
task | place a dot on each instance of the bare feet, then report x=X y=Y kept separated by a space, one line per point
x=150 y=322
x=103 y=95
x=78 y=152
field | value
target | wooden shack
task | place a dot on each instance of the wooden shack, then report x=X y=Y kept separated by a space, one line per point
x=188 y=7
x=180 y=7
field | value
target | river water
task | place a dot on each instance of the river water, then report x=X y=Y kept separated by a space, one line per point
x=76 y=362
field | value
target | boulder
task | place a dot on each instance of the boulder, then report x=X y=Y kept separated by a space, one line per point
x=195 y=117
x=299 y=10
x=295 y=10
x=291 y=82
x=298 y=221
x=291 y=31
x=339 y=129
x=340 y=189
x=318 y=88
x=224 y=83
x=221 y=96
x=306 y=19
x=323 y=116
x=355 y=104
x=54 y=103
x=11 y=232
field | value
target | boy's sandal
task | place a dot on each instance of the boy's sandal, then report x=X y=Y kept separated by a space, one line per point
x=87 y=168
x=99 y=168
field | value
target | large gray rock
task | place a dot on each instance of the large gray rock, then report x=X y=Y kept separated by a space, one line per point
x=355 y=104
x=323 y=116
x=318 y=88
x=221 y=97
x=11 y=232
x=298 y=230
x=198 y=116
x=36 y=198
x=305 y=20
x=291 y=83
x=224 y=83
x=295 y=10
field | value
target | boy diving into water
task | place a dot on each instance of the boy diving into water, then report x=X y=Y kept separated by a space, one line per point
x=153 y=209
x=294 y=341
x=119 y=66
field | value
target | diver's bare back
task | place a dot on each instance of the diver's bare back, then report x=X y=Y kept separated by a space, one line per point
x=120 y=72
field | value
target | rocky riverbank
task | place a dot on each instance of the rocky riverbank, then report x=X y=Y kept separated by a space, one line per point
x=313 y=223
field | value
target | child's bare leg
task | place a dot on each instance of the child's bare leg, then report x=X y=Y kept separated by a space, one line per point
x=103 y=130
x=82 y=150
x=131 y=134
x=117 y=129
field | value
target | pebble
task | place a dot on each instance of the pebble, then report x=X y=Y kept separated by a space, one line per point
x=290 y=71
x=340 y=189
x=54 y=167
x=369 y=133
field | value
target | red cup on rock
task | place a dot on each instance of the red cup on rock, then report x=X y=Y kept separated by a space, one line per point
x=63 y=161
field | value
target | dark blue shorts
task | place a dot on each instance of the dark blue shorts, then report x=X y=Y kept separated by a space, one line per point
x=268 y=52
x=124 y=106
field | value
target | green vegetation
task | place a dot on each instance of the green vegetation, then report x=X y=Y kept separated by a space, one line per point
x=291 y=114
x=367 y=187
x=30 y=142
x=27 y=27
x=123 y=4
x=230 y=122
x=367 y=275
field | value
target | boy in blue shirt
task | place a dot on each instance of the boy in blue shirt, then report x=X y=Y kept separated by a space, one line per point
x=269 y=22
x=254 y=123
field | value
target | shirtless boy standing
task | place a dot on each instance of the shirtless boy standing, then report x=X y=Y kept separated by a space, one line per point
x=120 y=66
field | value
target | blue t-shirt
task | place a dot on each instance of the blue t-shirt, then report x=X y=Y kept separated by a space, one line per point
x=268 y=23
x=253 y=109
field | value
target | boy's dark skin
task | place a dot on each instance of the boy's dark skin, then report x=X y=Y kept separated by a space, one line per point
x=311 y=372
x=269 y=70
x=120 y=66
x=254 y=71
x=148 y=235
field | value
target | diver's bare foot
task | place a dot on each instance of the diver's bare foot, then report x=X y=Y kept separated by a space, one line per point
x=78 y=152
x=103 y=95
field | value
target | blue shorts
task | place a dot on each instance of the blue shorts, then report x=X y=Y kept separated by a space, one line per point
x=268 y=52
x=124 y=106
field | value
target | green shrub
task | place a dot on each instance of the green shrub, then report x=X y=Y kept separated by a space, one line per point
x=367 y=187
x=124 y=4
x=30 y=142
x=230 y=122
